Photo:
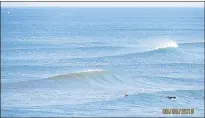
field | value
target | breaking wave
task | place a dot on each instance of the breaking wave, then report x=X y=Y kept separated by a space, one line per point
x=166 y=44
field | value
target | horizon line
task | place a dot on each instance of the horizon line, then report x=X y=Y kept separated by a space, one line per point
x=103 y=4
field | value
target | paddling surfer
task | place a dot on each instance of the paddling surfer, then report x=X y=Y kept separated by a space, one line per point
x=171 y=97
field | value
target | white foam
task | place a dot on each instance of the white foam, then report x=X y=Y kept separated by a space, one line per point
x=166 y=44
x=93 y=70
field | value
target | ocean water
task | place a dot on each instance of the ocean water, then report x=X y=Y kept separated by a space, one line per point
x=82 y=61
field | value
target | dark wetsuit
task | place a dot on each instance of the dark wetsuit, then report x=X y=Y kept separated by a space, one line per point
x=170 y=97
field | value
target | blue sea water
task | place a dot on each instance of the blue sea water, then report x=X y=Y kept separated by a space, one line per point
x=82 y=61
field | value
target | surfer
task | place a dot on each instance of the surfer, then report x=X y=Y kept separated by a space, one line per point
x=171 y=97
x=126 y=94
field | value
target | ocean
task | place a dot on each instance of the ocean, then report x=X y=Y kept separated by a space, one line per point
x=82 y=61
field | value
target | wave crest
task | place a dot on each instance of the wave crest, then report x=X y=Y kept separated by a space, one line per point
x=167 y=44
x=88 y=78
x=80 y=74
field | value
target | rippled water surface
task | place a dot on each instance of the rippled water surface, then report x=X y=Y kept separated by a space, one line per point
x=82 y=61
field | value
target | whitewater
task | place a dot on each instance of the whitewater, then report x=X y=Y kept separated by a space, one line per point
x=82 y=63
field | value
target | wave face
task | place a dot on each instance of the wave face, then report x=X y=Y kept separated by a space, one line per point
x=90 y=77
x=68 y=62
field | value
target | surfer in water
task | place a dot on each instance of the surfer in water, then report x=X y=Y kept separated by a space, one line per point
x=126 y=93
x=171 y=97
